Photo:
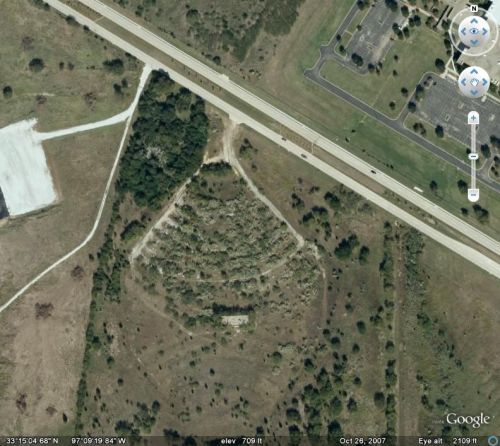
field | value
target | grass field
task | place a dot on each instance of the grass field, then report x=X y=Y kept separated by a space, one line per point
x=80 y=166
x=73 y=87
x=381 y=89
x=244 y=265
x=447 y=142
x=433 y=359
x=42 y=347
x=336 y=119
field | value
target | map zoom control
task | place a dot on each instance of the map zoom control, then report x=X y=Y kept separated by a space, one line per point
x=474 y=31
x=474 y=82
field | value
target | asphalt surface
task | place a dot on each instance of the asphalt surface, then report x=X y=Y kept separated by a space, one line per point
x=453 y=117
x=238 y=116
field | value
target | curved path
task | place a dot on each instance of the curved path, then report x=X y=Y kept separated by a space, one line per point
x=144 y=77
x=120 y=117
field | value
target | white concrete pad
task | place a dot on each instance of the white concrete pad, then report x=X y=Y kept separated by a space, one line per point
x=24 y=175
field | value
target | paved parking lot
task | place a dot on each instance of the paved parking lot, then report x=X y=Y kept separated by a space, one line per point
x=374 y=39
x=443 y=104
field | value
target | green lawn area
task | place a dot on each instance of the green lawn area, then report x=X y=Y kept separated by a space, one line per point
x=365 y=137
x=70 y=85
x=379 y=90
x=447 y=142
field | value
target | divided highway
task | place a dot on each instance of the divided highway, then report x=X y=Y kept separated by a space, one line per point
x=389 y=183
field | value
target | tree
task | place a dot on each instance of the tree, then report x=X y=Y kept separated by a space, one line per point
x=392 y=5
x=334 y=428
x=7 y=92
x=292 y=414
x=405 y=11
x=419 y=92
x=462 y=186
x=439 y=131
x=495 y=141
x=440 y=65
x=433 y=186
x=357 y=59
x=481 y=213
x=36 y=65
x=485 y=150
x=346 y=246
x=379 y=400
x=412 y=106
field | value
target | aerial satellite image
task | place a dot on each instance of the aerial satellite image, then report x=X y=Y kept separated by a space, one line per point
x=250 y=222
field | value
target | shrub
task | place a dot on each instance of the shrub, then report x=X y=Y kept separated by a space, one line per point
x=361 y=326
x=379 y=399
x=462 y=186
x=346 y=246
x=440 y=65
x=36 y=65
x=114 y=66
x=363 y=254
x=7 y=92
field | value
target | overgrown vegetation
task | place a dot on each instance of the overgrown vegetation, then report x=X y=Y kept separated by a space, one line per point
x=166 y=145
x=152 y=166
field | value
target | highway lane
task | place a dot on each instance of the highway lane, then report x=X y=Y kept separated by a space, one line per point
x=278 y=115
x=467 y=252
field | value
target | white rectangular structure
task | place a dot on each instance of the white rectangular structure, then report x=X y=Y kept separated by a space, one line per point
x=25 y=178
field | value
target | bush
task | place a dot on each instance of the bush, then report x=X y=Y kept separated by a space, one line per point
x=481 y=213
x=462 y=186
x=334 y=428
x=379 y=400
x=292 y=415
x=114 y=66
x=485 y=150
x=309 y=365
x=357 y=59
x=36 y=65
x=335 y=407
x=361 y=326
x=440 y=65
x=276 y=357
x=363 y=255
x=332 y=200
x=346 y=246
x=7 y=92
